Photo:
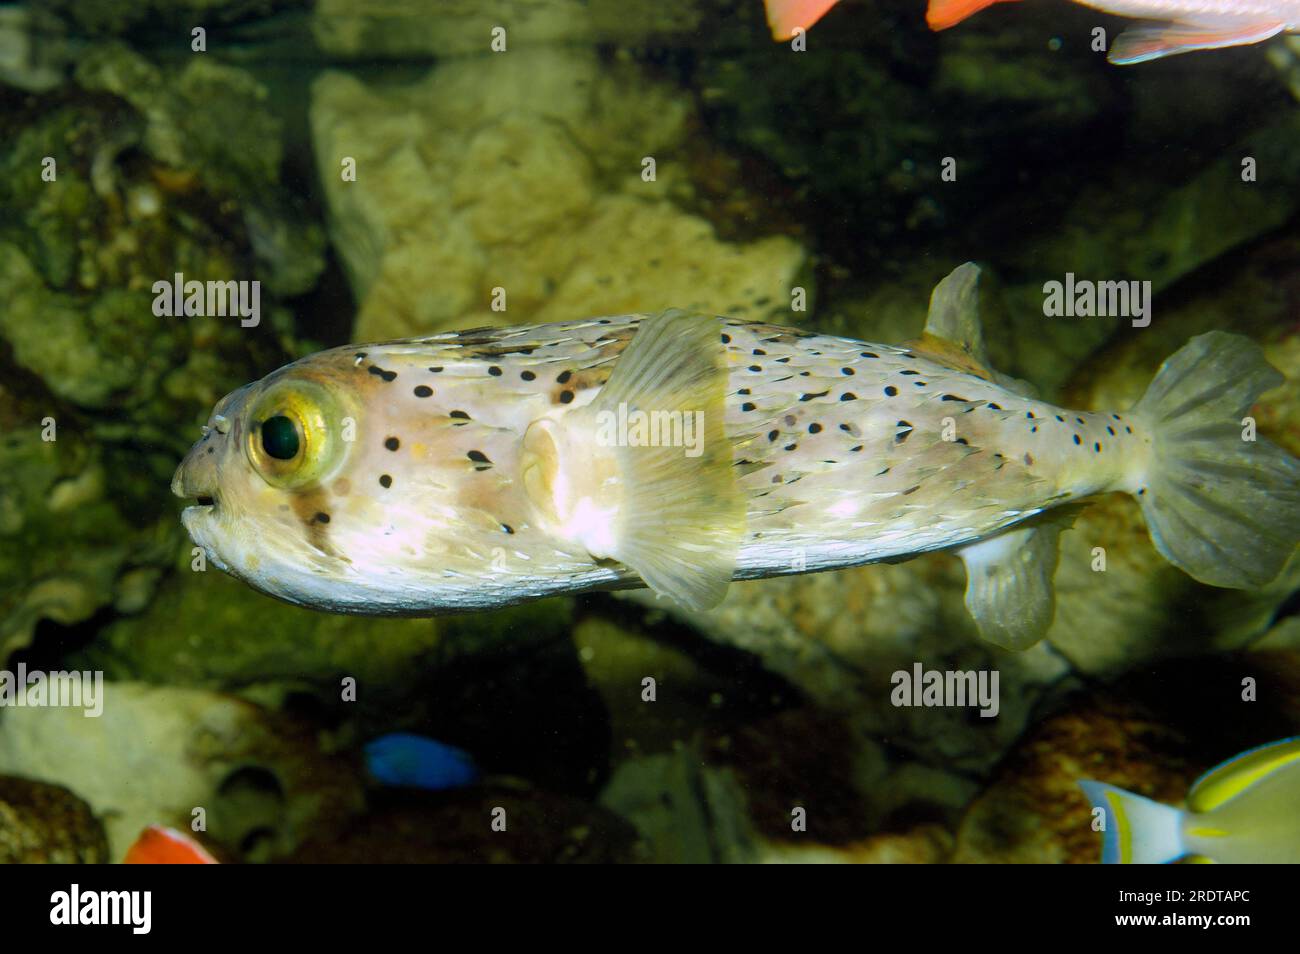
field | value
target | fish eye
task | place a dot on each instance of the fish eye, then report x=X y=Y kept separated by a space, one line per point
x=280 y=437
x=294 y=435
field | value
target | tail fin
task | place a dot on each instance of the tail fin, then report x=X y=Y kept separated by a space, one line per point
x=1223 y=509
x=942 y=14
x=1136 y=830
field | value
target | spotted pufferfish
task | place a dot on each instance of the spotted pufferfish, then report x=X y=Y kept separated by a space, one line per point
x=473 y=470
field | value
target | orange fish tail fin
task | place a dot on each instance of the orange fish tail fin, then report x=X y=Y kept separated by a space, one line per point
x=786 y=16
x=945 y=13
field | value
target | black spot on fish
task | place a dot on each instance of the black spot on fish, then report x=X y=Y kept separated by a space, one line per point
x=773 y=435
x=848 y=396
x=848 y=371
x=890 y=390
x=747 y=406
x=422 y=391
x=386 y=375
x=743 y=391
x=994 y=407
x=726 y=339
x=566 y=396
x=1128 y=430
x=507 y=528
x=527 y=375
x=322 y=518
x=385 y=481
x=1061 y=419
x=563 y=377
x=760 y=352
x=1030 y=415
x=1077 y=440
x=1081 y=420
x=791 y=447
x=809 y=397
x=870 y=354
x=361 y=356
x=854 y=450
x=478 y=457
x=436 y=370
x=953 y=397
x=459 y=415
x=814 y=428
x=911 y=490
x=782 y=360
x=494 y=371
x=392 y=443
x=756 y=367
x=962 y=440
x=909 y=373
x=1097 y=447
x=1110 y=430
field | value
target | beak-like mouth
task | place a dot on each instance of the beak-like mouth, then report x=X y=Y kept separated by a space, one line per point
x=195 y=480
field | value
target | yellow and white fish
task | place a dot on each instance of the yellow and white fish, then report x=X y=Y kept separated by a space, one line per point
x=1245 y=811
x=1180 y=26
x=473 y=470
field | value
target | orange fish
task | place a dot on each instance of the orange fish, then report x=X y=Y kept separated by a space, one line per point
x=1180 y=26
x=787 y=16
x=166 y=846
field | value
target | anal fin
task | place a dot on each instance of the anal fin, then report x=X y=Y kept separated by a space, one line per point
x=1141 y=44
x=1009 y=582
x=682 y=516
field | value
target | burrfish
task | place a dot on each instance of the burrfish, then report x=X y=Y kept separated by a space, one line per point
x=1243 y=811
x=1179 y=26
x=679 y=451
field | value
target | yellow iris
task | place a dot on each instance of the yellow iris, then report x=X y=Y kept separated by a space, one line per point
x=294 y=437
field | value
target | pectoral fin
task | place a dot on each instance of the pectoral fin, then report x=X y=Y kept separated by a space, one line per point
x=683 y=515
x=1140 y=44
x=1009 y=583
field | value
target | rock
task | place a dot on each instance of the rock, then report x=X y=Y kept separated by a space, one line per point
x=840 y=636
x=47 y=824
x=101 y=395
x=353 y=28
x=1154 y=733
x=524 y=173
x=156 y=755
x=456 y=827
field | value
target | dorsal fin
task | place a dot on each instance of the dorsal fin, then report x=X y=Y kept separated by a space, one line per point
x=953 y=335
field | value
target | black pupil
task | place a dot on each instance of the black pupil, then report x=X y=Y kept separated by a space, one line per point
x=280 y=437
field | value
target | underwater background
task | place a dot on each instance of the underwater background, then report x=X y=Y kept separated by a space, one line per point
x=771 y=734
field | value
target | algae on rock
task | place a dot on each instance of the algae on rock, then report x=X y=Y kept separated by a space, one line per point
x=516 y=181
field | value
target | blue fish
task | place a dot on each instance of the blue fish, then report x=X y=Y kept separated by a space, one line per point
x=413 y=761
